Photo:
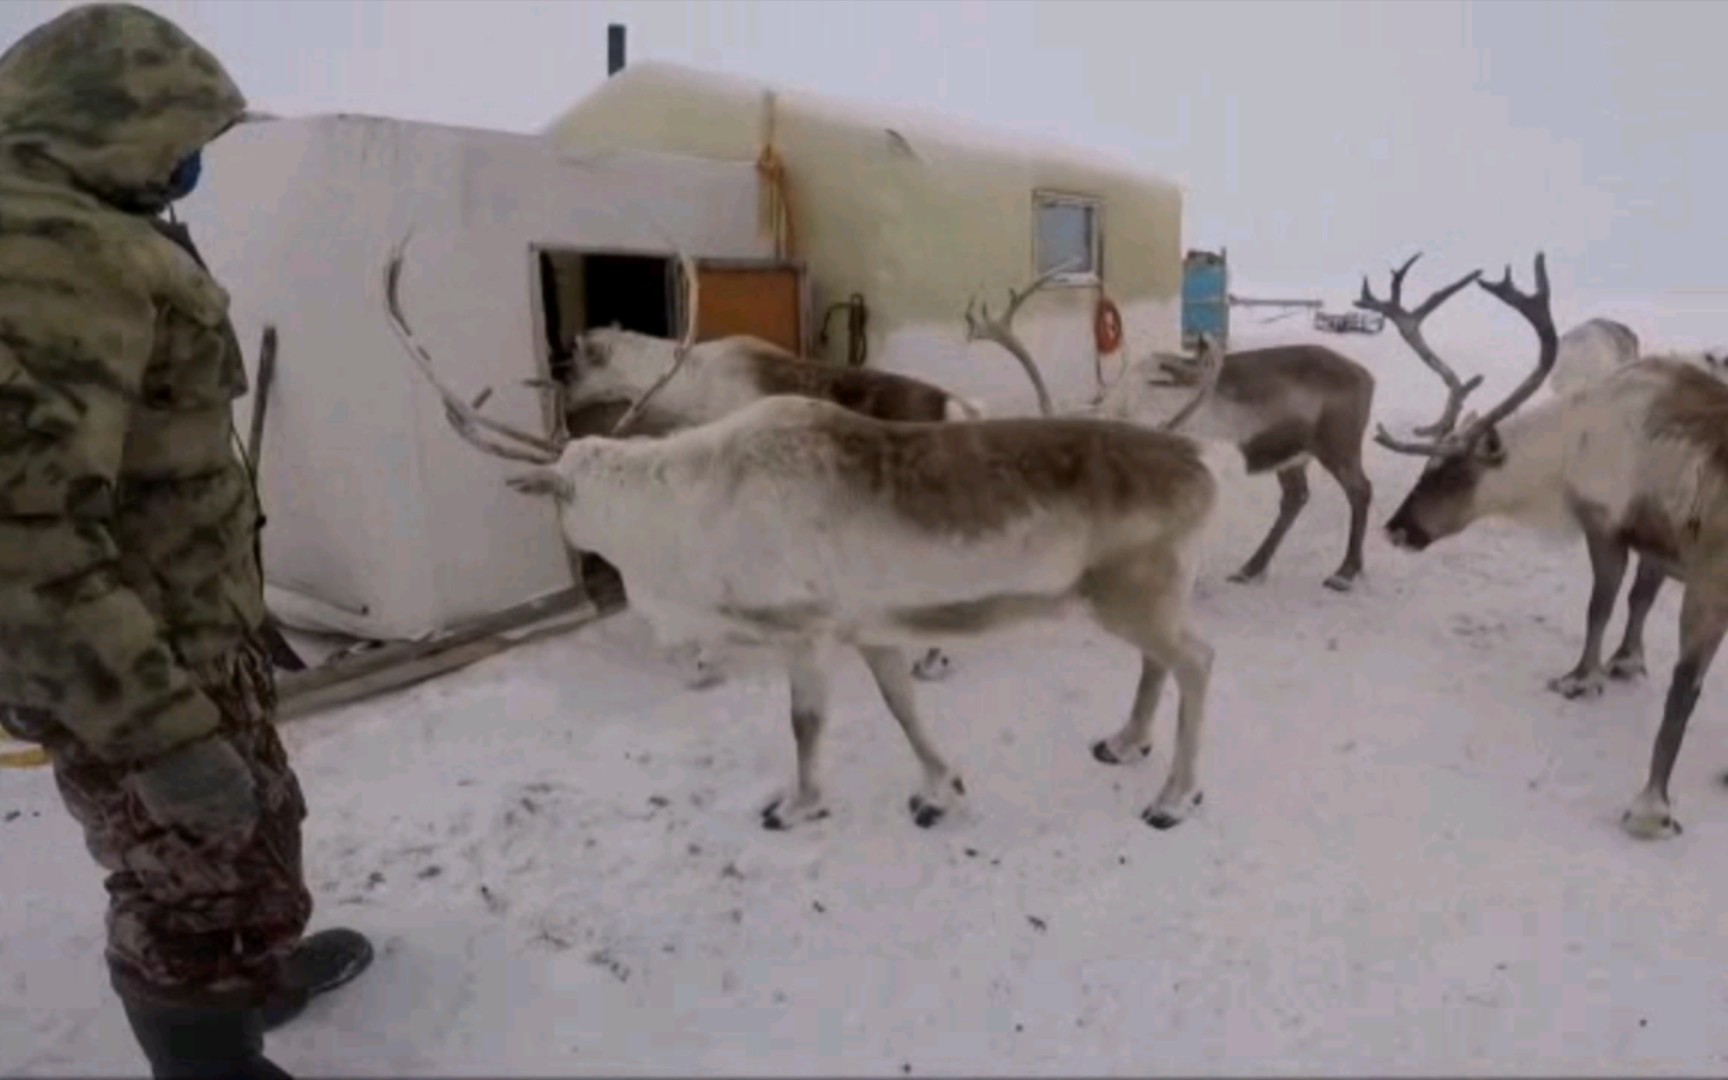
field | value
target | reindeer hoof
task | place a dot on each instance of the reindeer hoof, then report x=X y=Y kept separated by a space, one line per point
x=1573 y=686
x=1650 y=827
x=1340 y=583
x=932 y=805
x=1626 y=668
x=782 y=814
x=925 y=814
x=1164 y=818
x=1649 y=818
x=1107 y=751
x=1246 y=576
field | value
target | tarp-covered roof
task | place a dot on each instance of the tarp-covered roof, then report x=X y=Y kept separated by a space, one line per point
x=736 y=96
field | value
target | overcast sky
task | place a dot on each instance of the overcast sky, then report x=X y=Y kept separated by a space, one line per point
x=1315 y=139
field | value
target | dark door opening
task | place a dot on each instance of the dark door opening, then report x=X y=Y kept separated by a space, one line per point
x=580 y=291
x=629 y=290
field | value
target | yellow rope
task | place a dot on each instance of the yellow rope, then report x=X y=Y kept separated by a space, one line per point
x=776 y=205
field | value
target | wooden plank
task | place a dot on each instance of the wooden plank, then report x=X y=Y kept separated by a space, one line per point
x=445 y=657
x=399 y=652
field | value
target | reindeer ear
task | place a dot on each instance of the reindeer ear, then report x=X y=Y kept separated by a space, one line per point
x=1490 y=448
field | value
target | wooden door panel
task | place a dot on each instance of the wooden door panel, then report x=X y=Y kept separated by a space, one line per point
x=766 y=301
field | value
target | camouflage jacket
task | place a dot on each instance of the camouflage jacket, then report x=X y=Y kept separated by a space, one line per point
x=127 y=521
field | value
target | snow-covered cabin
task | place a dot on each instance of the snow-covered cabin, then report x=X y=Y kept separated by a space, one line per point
x=382 y=523
x=916 y=216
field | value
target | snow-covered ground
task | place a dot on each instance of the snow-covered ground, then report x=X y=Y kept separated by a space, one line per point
x=1407 y=862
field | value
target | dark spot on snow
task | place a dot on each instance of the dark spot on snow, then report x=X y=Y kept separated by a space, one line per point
x=1037 y=924
x=607 y=961
x=737 y=915
x=907 y=1069
x=1121 y=860
x=375 y=880
x=14 y=815
x=1642 y=1022
x=730 y=870
x=971 y=853
x=429 y=873
x=659 y=801
x=1019 y=1027
x=530 y=805
x=817 y=905
x=694 y=849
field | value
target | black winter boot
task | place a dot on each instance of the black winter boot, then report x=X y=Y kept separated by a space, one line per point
x=319 y=964
x=187 y=1042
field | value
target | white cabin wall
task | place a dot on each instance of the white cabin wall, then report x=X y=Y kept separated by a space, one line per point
x=279 y=215
x=374 y=502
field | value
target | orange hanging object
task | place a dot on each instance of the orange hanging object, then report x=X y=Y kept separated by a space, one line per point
x=1107 y=326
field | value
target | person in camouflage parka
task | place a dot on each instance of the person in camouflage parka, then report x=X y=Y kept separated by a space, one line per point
x=131 y=595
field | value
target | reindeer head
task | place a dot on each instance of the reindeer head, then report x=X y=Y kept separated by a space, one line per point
x=1462 y=459
x=613 y=366
x=1143 y=377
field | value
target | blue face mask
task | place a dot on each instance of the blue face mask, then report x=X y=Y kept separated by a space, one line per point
x=185 y=176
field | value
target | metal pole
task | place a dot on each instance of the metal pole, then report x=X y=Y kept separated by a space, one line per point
x=614 y=49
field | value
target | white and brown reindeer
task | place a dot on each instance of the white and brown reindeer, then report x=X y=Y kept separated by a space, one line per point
x=807 y=528
x=610 y=366
x=1283 y=405
x=1585 y=354
x=1637 y=461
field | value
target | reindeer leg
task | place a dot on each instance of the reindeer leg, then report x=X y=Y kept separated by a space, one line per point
x=933 y=666
x=807 y=672
x=1628 y=660
x=1143 y=601
x=1359 y=492
x=1293 y=483
x=1608 y=570
x=942 y=785
x=1703 y=621
x=1135 y=738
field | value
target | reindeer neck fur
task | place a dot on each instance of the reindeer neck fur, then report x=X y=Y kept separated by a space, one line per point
x=1592 y=452
x=1532 y=486
x=1258 y=393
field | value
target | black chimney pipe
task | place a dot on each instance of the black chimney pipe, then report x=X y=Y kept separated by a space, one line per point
x=614 y=49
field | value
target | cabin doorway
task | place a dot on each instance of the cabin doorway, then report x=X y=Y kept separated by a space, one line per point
x=581 y=290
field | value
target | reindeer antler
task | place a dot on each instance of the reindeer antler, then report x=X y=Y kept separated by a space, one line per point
x=1537 y=312
x=1210 y=364
x=1534 y=307
x=1001 y=331
x=464 y=417
x=1409 y=325
x=692 y=294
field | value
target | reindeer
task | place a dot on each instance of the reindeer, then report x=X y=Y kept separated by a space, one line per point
x=1283 y=406
x=800 y=526
x=610 y=366
x=1636 y=461
x=1585 y=354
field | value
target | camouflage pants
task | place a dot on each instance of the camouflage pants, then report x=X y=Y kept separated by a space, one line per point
x=190 y=923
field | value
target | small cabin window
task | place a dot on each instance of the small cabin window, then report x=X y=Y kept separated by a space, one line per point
x=1068 y=233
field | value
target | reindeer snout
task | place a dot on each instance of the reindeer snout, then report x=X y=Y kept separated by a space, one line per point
x=1406 y=537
